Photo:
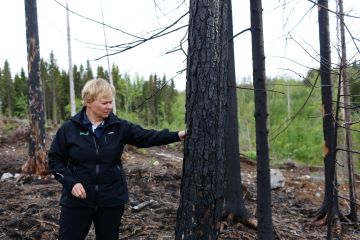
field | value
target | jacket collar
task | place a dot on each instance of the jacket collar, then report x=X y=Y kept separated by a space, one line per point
x=79 y=117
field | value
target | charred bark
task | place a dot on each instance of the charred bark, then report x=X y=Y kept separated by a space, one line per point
x=36 y=164
x=328 y=122
x=329 y=211
x=347 y=103
x=234 y=206
x=264 y=213
x=202 y=185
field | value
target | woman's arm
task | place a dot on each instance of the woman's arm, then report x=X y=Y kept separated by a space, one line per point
x=58 y=160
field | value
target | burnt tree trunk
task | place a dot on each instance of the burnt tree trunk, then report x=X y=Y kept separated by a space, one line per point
x=264 y=213
x=347 y=105
x=234 y=207
x=202 y=184
x=330 y=203
x=36 y=164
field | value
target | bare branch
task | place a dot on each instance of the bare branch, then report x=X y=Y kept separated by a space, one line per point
x=291 y=119
x=95 y=21
x=139 y=42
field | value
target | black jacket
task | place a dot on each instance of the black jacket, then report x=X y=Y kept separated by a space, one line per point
x=76 y=155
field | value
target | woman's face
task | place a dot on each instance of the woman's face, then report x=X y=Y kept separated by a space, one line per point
x=100 y=108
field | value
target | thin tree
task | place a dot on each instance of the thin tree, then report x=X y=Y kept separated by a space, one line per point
x=264 y=214
x=36 y=163
x=107 y=59
x=53 y=71
x=71 y=76
x=347 y=103
x=202 y=184
x=330 y=206
x=234 y=205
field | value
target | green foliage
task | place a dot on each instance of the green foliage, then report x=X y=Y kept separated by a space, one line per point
x=6 y=91
x=354 y=78
x=10 y=126
x=295 y=128
x=299 y=139
x=250 y=154
x=21 y=106
x=21 y=95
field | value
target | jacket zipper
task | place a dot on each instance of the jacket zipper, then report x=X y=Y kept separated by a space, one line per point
x=97 y=167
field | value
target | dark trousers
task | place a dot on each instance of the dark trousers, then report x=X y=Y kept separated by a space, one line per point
x=75 y=222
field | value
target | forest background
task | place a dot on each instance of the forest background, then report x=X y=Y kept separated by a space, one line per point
x=295 y=112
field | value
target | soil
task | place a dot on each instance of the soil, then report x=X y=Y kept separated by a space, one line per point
x=29 y=207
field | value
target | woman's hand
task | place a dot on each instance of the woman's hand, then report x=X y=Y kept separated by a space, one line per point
x=182 y=135
x=78 y=191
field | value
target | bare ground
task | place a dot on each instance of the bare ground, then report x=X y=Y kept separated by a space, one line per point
x=29 y=206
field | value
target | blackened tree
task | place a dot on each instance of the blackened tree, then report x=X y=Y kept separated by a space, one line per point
x=36 y=163
x=234 y=205
x=328 y=122
x=202 y=184
x=264 y=213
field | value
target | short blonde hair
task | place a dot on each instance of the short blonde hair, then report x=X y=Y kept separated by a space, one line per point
x=96 y=88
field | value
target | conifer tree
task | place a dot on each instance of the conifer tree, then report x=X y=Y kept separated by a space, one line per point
x=21 y=95
x=7 y=87
x=202 y=183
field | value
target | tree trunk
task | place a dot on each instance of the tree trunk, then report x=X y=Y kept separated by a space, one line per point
x=202 y=185
x=347 y=104
x=36 y=164
x=326 y=96
x=71 y=73
x=330 y=206
x=234 y=207
x=264 y=214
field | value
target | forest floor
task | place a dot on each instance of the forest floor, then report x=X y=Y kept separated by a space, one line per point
x=29 y=206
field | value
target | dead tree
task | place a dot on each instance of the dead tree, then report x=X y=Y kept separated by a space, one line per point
x=234 y=206
x=71 y=73
x=264 y=213
x=202 y=184
x=347 y=104
x=330 y=206
x=36 y=163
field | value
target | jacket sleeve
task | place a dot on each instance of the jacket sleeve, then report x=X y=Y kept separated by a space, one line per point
x=58 y=160
x=142 y=138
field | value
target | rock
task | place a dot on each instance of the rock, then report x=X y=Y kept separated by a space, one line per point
x=6 y=176
x=277 y=179
x=17 y=176
x=305 y=177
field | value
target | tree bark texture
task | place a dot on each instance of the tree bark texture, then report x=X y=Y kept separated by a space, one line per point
x=330 y=203
x=264 y=213
x=36 y=164
x=326 y=97
x=347 y=110
x=234 y=202
x=202 y=185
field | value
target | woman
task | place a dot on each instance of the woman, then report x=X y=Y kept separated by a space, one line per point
x=85 y=158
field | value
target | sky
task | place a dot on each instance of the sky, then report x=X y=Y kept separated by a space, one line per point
x=290 y=34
